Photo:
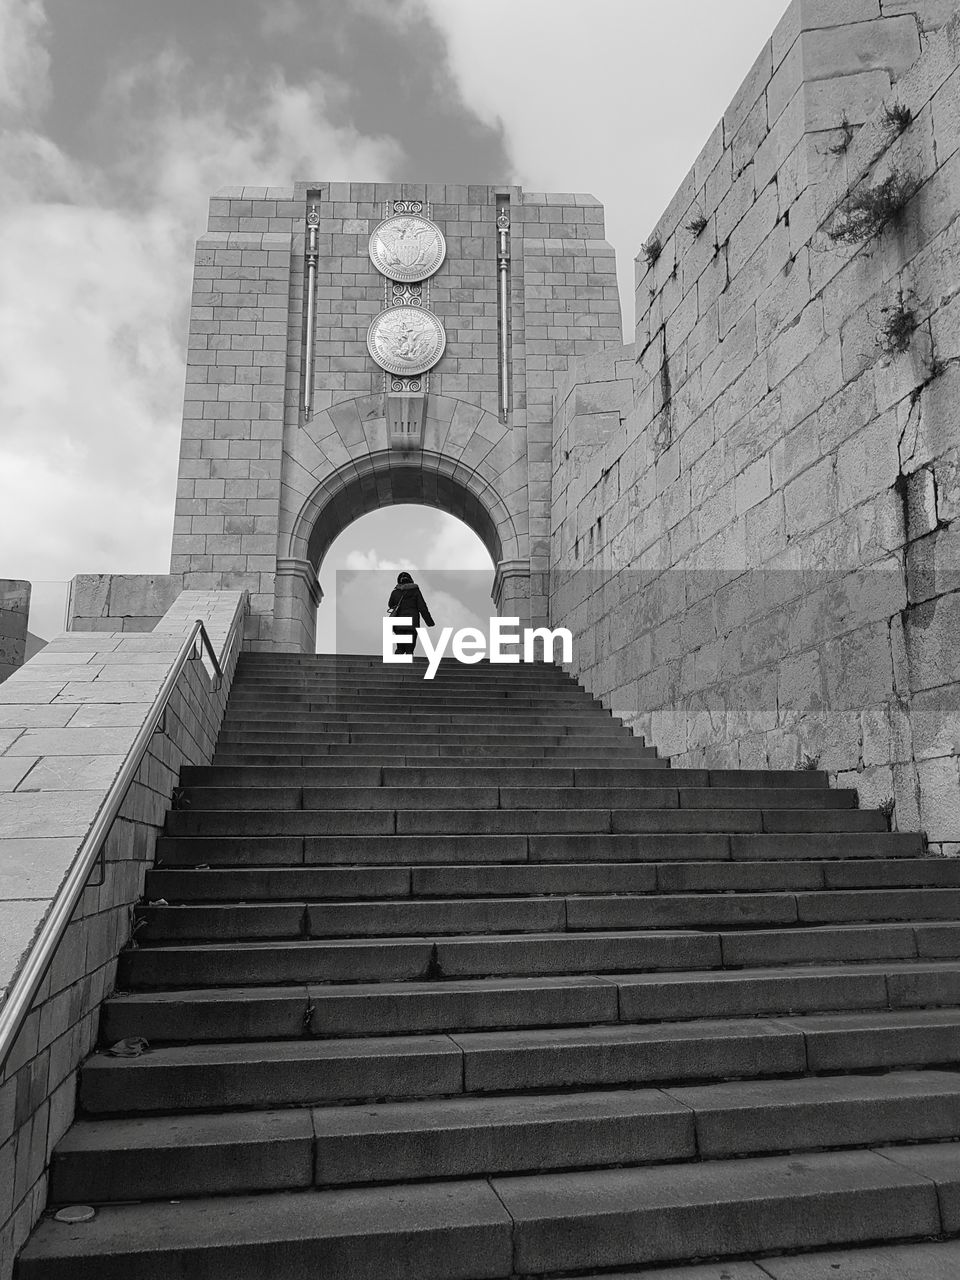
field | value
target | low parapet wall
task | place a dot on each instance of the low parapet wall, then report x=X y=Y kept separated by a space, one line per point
x=68 y=720
x=120 y=601
x=14 y=616
x=760 y=564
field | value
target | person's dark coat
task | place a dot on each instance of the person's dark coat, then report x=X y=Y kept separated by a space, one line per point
x=407 y=602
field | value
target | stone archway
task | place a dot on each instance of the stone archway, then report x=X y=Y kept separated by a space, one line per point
x=328 y=375
x=389 y=478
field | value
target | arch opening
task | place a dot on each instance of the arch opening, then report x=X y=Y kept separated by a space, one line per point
x=400 y=486
x=390 y=479
x=445 y=557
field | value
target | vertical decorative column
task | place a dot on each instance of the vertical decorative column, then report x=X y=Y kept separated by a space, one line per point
x=503 y=290
x=310 y=304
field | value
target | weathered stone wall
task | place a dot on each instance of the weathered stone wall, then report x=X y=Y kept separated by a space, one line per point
x=759 y=562
x=14 y=615
x=120 y=601
x=257 y=471
x=67 y=720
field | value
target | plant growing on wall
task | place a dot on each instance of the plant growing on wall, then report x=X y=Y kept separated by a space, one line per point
x=897 y=328
x=864 y=214
x=652 y=250
x=697 y=224
x=897 y=117
x=842 y=145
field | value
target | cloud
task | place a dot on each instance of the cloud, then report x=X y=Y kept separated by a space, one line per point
x=373 y=562
x=96 y=264
x=24 y=62
x=616 y=101
x=446 y=558
x=193 y=137
x=455 y=546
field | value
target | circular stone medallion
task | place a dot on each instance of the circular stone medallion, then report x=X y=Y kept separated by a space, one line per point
x=407 y=248
x=406 y=340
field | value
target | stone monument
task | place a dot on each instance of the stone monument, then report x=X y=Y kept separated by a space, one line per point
x=354 y=345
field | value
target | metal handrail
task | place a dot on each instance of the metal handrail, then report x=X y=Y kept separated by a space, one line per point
x=27 y=982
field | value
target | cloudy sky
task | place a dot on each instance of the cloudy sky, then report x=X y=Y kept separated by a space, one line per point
x=118 y=118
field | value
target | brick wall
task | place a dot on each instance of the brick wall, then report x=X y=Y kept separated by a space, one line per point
x=67 y=720
x=760 y=562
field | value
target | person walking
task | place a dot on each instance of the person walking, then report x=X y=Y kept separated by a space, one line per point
x=407 y=602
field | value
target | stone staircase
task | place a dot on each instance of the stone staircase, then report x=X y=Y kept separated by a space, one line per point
x=458 y=980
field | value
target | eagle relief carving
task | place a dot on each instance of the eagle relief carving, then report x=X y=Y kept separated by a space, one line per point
x=406 y=340
x=407 y=248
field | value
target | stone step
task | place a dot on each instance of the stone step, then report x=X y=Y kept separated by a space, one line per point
x=209 y=1154
x=415 y=1007
x=454 y=822
x=533 y=1225
x=282 y=1073
x=831 y=943
x=587 y=758
x=368 y=665
x=731 y=977
x=411 y=822
x=515 y=1061
x=413 y=915
x=441 y=714
x=258 y=660
x=334 y=702
x=384 y=722
x=439 y=708
x=384 y=1008
x=931 y=1260
x=434 y=1232
x=450 y=674
x=347 y=959
x=414 y=675
x=171 y=1156
x=385 y=822
x=151 y=1158
x=455 y=743
x=617 y=1218
x=272 y=883
x=545 y=674
x=572 y=776
x=424 y=698
x=440 y=799
x=411 y=688
x=478 y=734
x=392 y=957
x=387 y=723
x=387 y=850
x=471 y=747
x=392 y=725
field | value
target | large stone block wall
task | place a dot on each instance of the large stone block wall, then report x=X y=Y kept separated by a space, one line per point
x=120 y=601
x=228 y=488
x=760 y=560
x=67 y=720
x=14 y=615
x=252 y=459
